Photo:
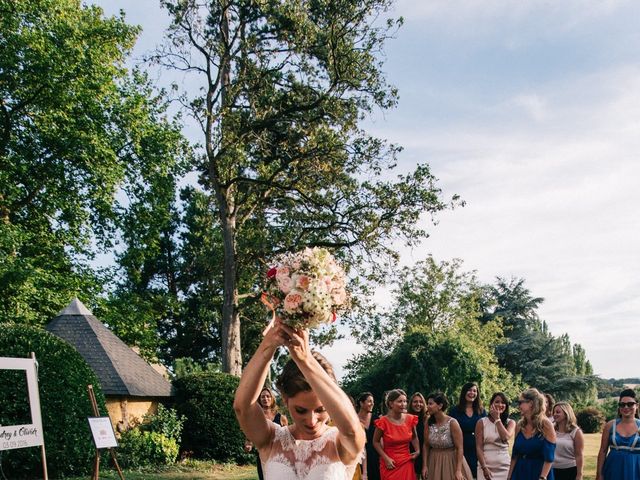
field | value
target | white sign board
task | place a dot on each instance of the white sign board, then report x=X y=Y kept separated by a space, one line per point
x=28 y=435
x=102 y=432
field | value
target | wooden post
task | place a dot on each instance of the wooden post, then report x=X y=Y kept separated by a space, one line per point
x=96 y=465
x=43 y=452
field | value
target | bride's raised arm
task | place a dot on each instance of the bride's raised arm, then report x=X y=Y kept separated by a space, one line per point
x=252 y=420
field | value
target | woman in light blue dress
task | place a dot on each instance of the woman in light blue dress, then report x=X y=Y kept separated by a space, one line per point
x=621 y=438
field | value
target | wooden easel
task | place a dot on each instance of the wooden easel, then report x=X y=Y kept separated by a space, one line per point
x=43 y=452
x=96 y=463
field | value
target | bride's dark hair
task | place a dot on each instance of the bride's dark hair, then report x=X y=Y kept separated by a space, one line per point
x=291 y=381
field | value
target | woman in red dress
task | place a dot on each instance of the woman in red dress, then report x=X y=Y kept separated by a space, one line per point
x=396 y=430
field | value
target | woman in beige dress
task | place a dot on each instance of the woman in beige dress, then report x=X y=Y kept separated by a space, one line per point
x=493 y=433
x=443 y=457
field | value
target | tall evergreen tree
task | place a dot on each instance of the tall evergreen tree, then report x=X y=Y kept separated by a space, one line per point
x=530 y=350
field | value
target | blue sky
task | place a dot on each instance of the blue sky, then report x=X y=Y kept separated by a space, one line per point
x=530 y=111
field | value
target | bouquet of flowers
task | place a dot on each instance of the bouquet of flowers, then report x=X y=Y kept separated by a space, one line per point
x=306 y=289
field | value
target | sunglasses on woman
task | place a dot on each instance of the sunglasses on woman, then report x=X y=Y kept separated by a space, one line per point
x=626 y=404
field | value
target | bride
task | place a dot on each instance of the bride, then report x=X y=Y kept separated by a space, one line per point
x=309 y=448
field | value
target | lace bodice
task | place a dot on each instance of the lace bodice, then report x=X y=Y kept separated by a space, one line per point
x=317 y=459
x=440 y=435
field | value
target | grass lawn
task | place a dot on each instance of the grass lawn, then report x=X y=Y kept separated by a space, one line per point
x=212 y=471
x=591 y=447
x=191 y=471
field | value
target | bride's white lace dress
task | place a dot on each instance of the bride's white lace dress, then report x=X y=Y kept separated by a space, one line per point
x=317 y=459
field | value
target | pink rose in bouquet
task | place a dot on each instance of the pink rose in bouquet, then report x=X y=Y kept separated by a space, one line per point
x=307 y=288
x=292 y=302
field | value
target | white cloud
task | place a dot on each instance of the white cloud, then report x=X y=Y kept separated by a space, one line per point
x=550 y=177
x=468 y=17
x=534 y=105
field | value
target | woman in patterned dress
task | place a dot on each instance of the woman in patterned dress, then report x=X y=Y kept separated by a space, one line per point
x=443 y=457
x=309 y=448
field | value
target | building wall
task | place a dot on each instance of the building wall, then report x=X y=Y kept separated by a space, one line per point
x=126 y=412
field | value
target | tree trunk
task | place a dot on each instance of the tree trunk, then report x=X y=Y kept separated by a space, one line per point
x=231 y=347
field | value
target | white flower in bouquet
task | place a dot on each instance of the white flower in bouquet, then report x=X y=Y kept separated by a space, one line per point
x=306 y=289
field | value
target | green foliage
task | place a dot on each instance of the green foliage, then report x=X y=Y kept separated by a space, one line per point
x=612 y=387
x=138 y=448
x=285 y=161
x=58 y=174
x=78 y=133
x=165 y=421
x=63 y=378
x=439 y=344
x=183 y=367
x=590 y=420
x=544 y=361
x=609 y=408
x=210 y=430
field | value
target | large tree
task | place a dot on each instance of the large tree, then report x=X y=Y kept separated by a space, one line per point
x=278 y=90
x=75 y=126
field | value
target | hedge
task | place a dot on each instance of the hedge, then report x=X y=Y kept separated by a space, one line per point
x=211 y=430
x=590 y=420
x=63 y=376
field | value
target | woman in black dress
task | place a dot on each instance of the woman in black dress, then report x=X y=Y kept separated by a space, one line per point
x=371 y=464
x=270 y=408
x=418 y=407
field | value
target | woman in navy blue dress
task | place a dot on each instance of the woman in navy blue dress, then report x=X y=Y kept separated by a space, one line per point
x=621 y=437
x=467 y=413
x=535 y=441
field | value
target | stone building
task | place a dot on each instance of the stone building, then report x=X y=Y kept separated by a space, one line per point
x=132 y=387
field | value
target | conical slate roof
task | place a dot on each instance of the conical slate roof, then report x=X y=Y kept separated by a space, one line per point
x=121 y=371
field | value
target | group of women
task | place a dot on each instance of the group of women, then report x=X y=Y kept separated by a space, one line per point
x=417 y=437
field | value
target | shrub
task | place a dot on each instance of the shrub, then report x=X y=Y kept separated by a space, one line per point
x=165 y=421
x=63 y=376
x=609 y=408
x=211 y=430
x=138 y=448
x=590 y=420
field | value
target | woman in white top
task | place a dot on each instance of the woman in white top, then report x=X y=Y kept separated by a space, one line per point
x=309 y=448
x=569 y=458
x=493 y=433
